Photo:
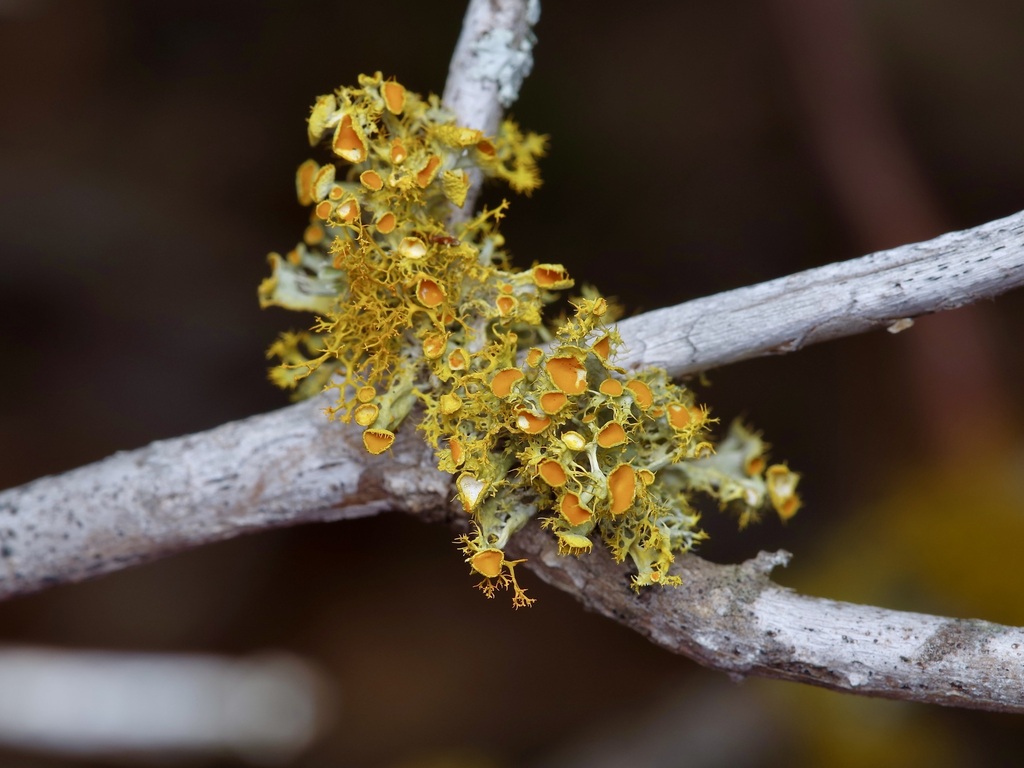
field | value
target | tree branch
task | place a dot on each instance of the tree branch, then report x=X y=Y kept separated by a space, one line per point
x=830 y=302
x=492 y=57
x=735 y=619
x=282 y=468
x=293 y=466
x=267 y=708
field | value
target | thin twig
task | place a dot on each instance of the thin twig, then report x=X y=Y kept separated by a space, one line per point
x=294 y=466
x=282 y=468
x=492 y=57
x=735 y=619
x=841 y=299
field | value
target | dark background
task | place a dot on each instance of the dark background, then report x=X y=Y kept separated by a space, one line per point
x=147 y=153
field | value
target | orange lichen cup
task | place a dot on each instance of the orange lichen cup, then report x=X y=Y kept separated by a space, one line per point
x=622 y=488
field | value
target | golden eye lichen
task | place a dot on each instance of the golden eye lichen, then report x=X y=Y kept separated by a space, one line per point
x=412 y=305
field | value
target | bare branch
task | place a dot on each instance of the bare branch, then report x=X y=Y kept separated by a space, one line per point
x=733 y=618
x=282 y=468
x=294 y=466
x=841 y=299
x=492 y=57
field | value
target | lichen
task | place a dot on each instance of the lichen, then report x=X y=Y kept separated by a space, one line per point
x=412 y=305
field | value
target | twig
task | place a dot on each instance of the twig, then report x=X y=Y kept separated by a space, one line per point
x=734 y=619
x=492 y=57
x=841 y=299
x=293 y=465
x=282 y=468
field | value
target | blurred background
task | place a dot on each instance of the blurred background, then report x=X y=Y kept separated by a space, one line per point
x=147 y=153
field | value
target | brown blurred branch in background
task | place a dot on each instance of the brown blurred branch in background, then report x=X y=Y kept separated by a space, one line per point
x=885 y=199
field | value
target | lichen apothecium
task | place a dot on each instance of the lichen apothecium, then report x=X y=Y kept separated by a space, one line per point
x=414 y=305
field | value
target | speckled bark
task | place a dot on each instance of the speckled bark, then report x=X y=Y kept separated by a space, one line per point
x=286 y=467
x=492 y=57
x=842 y=299
x=735 y=619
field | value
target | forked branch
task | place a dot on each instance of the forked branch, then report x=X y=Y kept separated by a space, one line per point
x=294 y=466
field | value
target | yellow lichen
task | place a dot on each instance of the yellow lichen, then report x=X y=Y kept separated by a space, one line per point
x=573 y=510
x=552 y=473
x=409 y=305
x=501 y=384
x=568 y=374
x=378 y=440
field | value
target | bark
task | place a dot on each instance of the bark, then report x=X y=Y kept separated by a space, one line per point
x=267 y=708
x=880 y=290
x=735 y=619
x=294 y=466
x=492 y=57
x=282 y=468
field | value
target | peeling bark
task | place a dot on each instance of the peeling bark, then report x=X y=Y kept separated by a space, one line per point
x=735 y=619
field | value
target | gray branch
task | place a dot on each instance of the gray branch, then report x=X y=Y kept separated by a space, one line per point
x=282 y=468
x=492 y=57
x=876 y=291
x=735 y=619
x=294 y=466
